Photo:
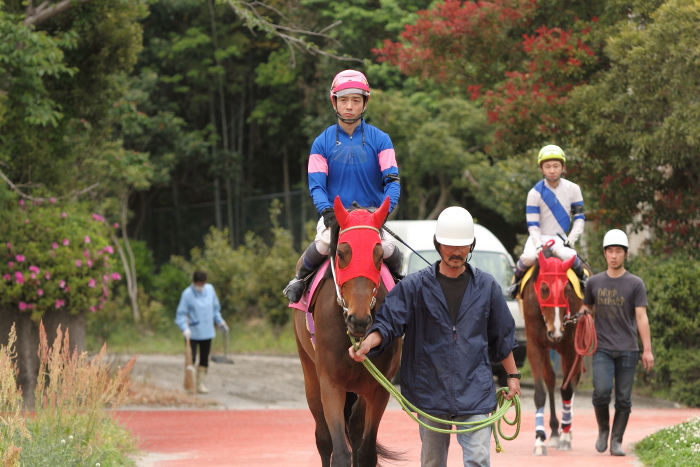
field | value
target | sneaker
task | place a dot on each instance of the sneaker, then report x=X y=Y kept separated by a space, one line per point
x=294 y=290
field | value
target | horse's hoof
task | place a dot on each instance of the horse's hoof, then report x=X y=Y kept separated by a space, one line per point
x=553 y=442
x=565 y=442
x=540 y=448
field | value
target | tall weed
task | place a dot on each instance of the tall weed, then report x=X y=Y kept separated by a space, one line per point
x=70 y=424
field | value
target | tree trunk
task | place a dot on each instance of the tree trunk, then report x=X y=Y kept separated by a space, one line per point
x=27 y=343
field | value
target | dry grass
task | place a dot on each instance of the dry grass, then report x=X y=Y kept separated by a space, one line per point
x=70 y=424
x=151 y=395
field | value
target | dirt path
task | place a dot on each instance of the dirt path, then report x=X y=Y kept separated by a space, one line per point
x=259 y=417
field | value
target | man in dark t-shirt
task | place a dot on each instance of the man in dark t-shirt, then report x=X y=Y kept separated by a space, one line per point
x=618 y=300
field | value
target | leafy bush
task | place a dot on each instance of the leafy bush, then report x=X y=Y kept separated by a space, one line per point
x=673 y=290
x=53 y=256
x=249 y=279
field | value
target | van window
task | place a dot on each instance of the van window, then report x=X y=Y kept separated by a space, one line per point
x=494 y=263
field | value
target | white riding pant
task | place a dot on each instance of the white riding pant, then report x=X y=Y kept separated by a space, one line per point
x=323 y=241
x=529 y=255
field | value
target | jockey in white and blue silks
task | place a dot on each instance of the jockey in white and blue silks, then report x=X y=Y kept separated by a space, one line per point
x=355 y=161
x=554 y=210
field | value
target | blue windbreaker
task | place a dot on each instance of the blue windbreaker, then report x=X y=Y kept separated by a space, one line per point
x=201 y=310
x=446 y=370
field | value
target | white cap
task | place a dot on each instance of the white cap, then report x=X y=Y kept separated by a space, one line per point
x=455 y=227
x=615 y=237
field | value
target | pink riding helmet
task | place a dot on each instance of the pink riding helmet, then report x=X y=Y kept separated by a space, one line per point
x=349 y=82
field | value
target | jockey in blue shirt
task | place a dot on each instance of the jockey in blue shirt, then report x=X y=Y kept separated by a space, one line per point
x=355 y=161
x=551 y=205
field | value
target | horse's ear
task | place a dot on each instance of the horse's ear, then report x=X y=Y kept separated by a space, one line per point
x=379 y=216
x=341 y=214
x=542 y=260
x=567 y=264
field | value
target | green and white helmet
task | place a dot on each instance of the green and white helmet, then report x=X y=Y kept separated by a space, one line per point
x=551 y=152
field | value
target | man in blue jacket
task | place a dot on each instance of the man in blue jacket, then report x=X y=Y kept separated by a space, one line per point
x=452 y=316
x=197 y=313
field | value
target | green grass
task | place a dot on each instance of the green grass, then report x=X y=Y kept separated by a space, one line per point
x=672 y=446
x=254 y=336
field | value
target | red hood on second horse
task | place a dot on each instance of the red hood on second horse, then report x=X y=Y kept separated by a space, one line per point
x=551 y=281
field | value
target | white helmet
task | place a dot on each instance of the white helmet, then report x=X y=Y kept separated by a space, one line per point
x=615 y=237
x=455 y=227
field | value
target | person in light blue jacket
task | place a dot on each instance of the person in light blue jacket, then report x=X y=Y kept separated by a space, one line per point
x=452 y=317
x=197 y=313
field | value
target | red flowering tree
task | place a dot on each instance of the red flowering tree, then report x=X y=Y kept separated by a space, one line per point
x=500 y=53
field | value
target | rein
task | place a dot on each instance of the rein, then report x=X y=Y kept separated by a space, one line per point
x=495 y=418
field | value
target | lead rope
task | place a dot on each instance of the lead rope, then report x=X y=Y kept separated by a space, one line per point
x=585 y=341
x=495 y=418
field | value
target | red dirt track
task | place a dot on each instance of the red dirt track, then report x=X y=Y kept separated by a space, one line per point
x=272 y=438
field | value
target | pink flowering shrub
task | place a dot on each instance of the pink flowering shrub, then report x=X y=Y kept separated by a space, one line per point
x=53 y=256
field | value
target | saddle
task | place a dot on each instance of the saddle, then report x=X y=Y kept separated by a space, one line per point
x=306 y=304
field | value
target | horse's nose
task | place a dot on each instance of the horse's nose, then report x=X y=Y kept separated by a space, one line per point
x=554 y=336
x=357 y=327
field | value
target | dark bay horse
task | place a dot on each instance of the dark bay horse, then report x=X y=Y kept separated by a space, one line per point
x=549 y=300
x=347 y=403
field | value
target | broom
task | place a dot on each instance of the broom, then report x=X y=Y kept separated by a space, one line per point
x=190 y=386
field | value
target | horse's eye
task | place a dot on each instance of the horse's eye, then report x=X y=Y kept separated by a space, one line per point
x=544 y=291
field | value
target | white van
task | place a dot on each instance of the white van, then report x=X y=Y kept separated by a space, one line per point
x=489 y=255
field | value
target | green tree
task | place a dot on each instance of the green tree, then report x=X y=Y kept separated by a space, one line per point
x=639 y=124
x=438 y=142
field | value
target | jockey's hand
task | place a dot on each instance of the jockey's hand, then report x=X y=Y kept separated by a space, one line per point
x=328 y=216
x=569 y=243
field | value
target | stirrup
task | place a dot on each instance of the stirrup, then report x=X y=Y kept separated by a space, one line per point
x=295 y=289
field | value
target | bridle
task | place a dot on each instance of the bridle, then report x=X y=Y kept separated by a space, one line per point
x=338 y=285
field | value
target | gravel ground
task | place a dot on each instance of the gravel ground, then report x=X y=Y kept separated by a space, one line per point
x=255 y=382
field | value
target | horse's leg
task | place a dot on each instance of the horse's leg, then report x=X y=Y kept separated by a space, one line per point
x=356 y=426
x=312 y=388
x=567 y=398
x=333 y=399
x=536 y=356
x=376 y=402
x=550 y=379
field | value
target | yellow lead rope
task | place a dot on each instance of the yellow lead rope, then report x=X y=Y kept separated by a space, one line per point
x=495 y=418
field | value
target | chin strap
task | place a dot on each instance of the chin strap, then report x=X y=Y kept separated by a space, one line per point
x=349 y=121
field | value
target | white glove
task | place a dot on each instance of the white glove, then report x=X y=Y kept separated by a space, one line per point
x=223 y=325
x=569 y=243
x=187 y=333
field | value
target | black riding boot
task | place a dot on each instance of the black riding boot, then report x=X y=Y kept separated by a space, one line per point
x=578 y=269
x=311 y=261
x=394 y=262
x=618 y=430
x=514 y=288
x=602 y=416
